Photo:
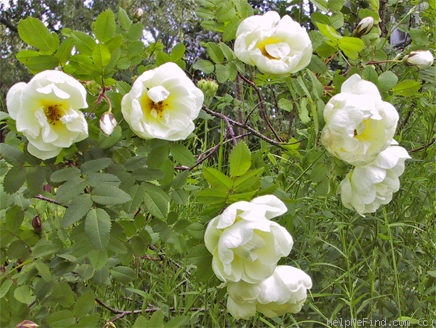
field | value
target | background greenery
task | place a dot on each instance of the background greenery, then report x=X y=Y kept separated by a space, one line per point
x=110 y=233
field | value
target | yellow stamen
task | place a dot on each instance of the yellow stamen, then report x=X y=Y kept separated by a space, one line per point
x=151 y=108
x=53 y=112
x=263 y=43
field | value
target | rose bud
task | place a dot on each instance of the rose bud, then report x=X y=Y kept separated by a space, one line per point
x=107 y=123
x=364 y=26
x=420 y=58
x=27 y=324
x=37 y=224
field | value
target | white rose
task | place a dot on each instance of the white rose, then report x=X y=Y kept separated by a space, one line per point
x=46 y=112
x=285 y=291
x=245 y=244
x=420 y=58
x=358 y=123
x=367 y=187
x=274 y=45
x=162 y=103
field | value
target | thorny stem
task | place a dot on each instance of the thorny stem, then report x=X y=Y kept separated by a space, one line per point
x=244 y=126
x=262 y=105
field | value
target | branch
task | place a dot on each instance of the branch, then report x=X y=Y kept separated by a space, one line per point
x=244 y=126
x=432 y=141
x=8 y=24
x=262 y=105
x=41 y=197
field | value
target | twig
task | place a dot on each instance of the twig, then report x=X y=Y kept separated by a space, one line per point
x=262 y=105
x=432 y=141
x=244 y=126
x=41 y=197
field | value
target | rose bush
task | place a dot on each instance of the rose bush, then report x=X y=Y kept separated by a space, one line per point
x=46 y=111
x=285 y=291
x=367 y=187
x=162 y=104
x=358 y=123
x=274 y=45
x=245 y=244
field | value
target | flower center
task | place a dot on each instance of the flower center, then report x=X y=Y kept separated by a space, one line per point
x=273 y=48
x=365 y=130
x=53 y=112
x=154 y=102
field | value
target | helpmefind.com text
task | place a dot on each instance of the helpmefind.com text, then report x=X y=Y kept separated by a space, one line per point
x=369 y=322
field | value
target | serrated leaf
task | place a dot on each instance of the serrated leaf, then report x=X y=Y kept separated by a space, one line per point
x=14 y=179
x=95 y=179
x=84 y=43
x=62 y=319
x=156 y=200
x=123 y=274
x=97 y=227
x=239 y=159
x=65 y=174
x=248 y=182
x=14 y=217
x=124 y=19
x=215 y=53
x=5 y=286
x=23 y=294
x=44 y=248
x=37 y=62
x=64 y=51
x=137 y=196
x=104 y=26
x=407 y=88
x=11 y=154
x=101 y=56
x=95 y=165
x=107 y=194
x=178 y=51
x=217 y=179
x=35 y=33
x=78 y=208
x=43 y=270
x=182 y=154
x=351 y=46
x=206 y=66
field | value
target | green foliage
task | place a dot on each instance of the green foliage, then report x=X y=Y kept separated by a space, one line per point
x=110 y=233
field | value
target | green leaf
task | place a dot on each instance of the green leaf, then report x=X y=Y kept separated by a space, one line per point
x=124 y=19
x=35 y=178
x=204 y=65
x=156 y=200
x=85 y=44
x=141 y=322
x=182 y=154
x=35 y=33
x=23 y=294
x=107 y=194
x=64 y=51
x=239 y=159
x=303 y=112
x=321 y=4
x=14 y=179
x=11 y=154
x=43 y=270
x=77 y=209
x=44 y=248
x=330 y=33
x=65 y=174
x=178 y=51
x=104 y=26
x=123 y=274
x=62 y=319
x=97 y=227
x=351 y=46
x=387 y=80
x=14 y=217
x=101 y=56
x=407 y=88
x=217 y=179
x=215 y=53
x=5 y=286
x=37 y=62
x=95 y=165
x=335 y=5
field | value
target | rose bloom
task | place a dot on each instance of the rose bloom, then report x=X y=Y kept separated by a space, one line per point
x=162 y=104
x=367 y=187
x=358 y=123
x=420 y=58
x=274 y=45
x=46 y=111
x=285 y=291
x=245 y=244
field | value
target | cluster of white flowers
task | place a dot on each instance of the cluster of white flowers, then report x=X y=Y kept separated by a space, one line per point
x=162 y=103
x=246 y=247
x=360 y=130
